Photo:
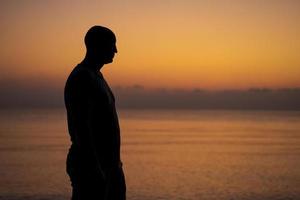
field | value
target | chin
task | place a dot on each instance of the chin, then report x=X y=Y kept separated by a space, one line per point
x=109 y=61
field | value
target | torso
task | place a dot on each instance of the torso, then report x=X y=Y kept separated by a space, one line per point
x=104 y=116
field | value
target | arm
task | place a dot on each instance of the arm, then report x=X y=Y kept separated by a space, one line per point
x=83 y=113
x=91 y=137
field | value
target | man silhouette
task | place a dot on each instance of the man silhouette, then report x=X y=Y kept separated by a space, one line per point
x=93 y=162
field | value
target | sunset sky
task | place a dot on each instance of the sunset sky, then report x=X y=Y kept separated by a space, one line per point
x=208 y=44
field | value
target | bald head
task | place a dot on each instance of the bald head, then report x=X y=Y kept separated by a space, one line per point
x=100 y=43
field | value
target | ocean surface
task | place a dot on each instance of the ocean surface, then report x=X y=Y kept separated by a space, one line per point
x=167 y=154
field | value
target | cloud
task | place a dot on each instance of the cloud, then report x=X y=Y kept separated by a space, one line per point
x=28 y=94
x=255 y=98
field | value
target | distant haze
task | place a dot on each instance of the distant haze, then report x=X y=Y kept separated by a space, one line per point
x=41 y=95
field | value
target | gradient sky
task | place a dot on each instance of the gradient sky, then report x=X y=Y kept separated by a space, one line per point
x=213 y=44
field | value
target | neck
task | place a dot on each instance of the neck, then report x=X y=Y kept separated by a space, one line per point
x=92 y=64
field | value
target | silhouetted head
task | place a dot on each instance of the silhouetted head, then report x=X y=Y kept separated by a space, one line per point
x=100 y=44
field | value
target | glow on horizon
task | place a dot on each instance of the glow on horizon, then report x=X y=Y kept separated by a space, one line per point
x=162 y=44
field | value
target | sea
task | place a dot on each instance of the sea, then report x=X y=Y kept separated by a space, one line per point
x=166 y=154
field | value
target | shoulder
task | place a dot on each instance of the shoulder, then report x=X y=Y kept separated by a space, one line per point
x=80 y=79
x=81 y=74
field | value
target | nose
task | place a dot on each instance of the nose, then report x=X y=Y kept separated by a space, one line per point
x=115 y=49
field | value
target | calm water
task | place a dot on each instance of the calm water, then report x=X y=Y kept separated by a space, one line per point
x=172 y=154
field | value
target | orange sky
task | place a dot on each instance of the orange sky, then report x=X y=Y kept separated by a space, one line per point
x=162 y=43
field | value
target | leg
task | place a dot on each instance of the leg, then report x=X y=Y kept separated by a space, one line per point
x=116 y=185
x=85 y=187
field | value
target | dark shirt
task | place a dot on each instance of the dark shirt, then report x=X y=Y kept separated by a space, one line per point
x=92 y=122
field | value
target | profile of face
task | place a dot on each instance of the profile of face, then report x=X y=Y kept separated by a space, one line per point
x=107 y=50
